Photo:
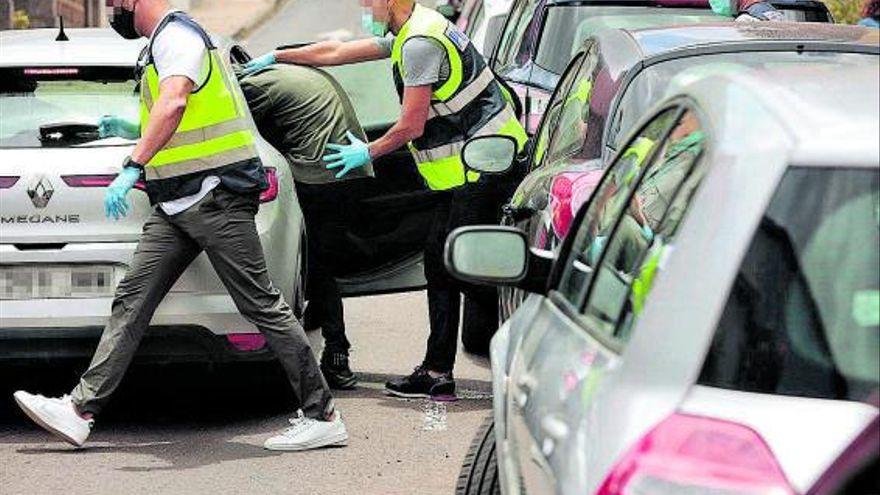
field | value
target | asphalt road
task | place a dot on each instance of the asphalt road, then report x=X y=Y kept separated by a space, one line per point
x=199 y=430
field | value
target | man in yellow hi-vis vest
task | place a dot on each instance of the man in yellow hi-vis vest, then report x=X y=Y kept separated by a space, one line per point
x=197 y=157
x=449 y=95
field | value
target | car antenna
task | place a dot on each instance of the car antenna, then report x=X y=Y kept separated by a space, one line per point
x=62 y=36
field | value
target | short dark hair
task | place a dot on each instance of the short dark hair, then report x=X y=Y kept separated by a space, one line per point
x=871 y=8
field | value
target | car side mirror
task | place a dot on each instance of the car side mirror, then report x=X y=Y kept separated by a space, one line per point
x=496 y=256
x=493 y=154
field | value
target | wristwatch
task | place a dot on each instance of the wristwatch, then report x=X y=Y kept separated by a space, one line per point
x=129 y=162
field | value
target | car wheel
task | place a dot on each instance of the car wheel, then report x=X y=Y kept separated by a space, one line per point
x=479 y=473
x=478 y=327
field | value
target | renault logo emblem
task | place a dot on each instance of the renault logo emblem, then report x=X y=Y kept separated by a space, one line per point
x=40 y=191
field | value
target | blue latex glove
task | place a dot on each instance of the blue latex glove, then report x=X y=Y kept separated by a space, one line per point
x=115 y=204
x=115 y=126
x=259 y=63
x=348 y=156
x=648 y=232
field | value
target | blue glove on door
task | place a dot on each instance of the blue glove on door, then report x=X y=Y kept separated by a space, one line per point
x=348 y=157
x=259 y=63
x=115 y=204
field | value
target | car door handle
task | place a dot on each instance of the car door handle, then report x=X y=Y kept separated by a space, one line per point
x=524 y=388
x=555 y=427
x=518 y=214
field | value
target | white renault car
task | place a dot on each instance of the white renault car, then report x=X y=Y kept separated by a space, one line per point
x=711 y=325
x=60 y=258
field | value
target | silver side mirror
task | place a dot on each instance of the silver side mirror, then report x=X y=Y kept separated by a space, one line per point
x=487 y=255
x=490 y=154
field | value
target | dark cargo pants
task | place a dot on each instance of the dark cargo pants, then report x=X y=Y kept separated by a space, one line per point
x=222 y=225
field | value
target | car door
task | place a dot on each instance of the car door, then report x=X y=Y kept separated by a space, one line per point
x=601 y=280
x=382 y=249
x=512 y=59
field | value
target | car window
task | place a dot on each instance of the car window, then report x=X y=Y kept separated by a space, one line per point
x=645 y=231
x=514 y=34
x=572 y=126
x=493 y=32
x=371 y=89
x=606 y=205
x=803 y=315
x=554 y=111
x=475 y=20
x=567 y=27
x=660 y=80
x=34 y=97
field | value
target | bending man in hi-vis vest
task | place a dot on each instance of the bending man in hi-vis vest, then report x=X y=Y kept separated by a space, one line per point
x=200 y=166
x=449 y=95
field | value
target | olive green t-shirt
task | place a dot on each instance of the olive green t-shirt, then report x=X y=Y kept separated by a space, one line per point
x=299 y=110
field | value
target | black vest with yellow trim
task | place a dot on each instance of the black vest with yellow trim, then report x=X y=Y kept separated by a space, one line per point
x=214 y=138
x=469 y=103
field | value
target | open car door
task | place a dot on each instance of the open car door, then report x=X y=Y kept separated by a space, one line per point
x=384 y=242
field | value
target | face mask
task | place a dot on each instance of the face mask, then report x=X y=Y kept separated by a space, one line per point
x=122 y=21
x=367 y=20
x=379 y=28
x=723 y=7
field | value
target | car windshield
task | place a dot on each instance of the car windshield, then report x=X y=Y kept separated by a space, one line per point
x=657 y=81
x=567 y=27
x=803 y=316
x=31 y=98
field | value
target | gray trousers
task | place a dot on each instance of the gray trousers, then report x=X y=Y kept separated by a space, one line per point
x=222 y=225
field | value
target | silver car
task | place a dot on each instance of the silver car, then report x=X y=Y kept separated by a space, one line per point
x=712 y=323
x=61 y=259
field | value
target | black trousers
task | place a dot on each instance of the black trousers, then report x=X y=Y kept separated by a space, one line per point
x=328 y=210
x=473 y=204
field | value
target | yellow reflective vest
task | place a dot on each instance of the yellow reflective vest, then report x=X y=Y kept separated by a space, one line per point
x=470 y=103
x=214 y=137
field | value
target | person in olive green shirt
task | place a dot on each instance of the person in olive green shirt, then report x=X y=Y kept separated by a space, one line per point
x=299 y=110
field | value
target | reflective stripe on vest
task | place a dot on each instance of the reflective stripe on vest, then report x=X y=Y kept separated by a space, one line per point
x=470 y=103
x=213 y=132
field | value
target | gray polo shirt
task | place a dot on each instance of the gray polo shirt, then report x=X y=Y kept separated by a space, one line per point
x=425 y=60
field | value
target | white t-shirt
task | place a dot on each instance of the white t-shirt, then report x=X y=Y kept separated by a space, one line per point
x=178 y=50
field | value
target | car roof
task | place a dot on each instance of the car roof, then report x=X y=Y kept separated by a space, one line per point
x=830 y=114
x=86 y=46
x=653 y=41
x=37 y=47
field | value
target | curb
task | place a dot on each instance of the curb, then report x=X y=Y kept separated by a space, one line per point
x=258 y=21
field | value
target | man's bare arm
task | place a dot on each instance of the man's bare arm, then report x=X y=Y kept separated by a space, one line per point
x=164 y=119
x=328 y=53
x=411 y=126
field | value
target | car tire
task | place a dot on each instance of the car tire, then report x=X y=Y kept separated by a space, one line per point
x=477 y=329
x=479 y=472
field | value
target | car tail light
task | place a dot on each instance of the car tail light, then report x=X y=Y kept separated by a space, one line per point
x=272 y=192
x=96 y=181
x=246 y=342
x=696 y=455
x=7 y=182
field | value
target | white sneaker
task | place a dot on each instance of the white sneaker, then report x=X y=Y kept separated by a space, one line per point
x=307 y=433
x=57 y=416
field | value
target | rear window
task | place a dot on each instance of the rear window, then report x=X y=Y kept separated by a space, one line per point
x=567 y=27
x=803 y=317
x=40 y=96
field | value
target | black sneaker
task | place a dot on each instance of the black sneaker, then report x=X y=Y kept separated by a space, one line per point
x=421 y=385
x=337 y=372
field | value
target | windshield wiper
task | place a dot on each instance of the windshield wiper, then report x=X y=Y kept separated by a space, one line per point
x=67 y=133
